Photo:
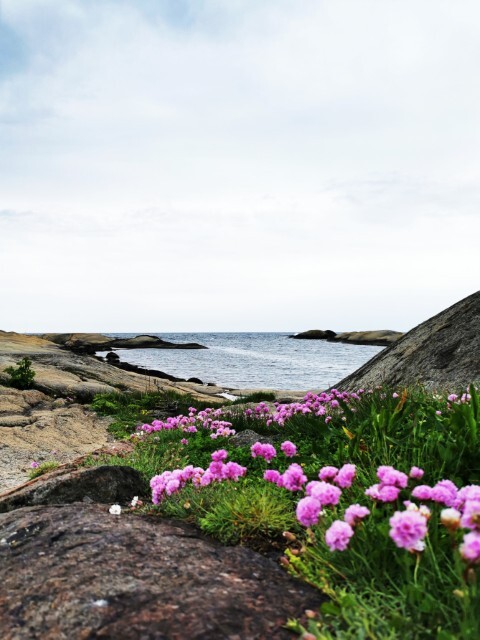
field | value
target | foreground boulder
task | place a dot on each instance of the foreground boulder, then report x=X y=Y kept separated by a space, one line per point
x=105 y=484
x=441 y=353
x=75 y=571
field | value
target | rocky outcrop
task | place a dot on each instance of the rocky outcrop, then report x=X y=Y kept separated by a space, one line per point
x=63 y=373
x=90 y=343
x=441 y=353
x=315 y=334
x=379 y=338
x=104 y=484
x=34 y=426
x=76 y=571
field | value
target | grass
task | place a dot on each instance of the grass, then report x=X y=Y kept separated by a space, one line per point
x=374 y=589
x=44 y=467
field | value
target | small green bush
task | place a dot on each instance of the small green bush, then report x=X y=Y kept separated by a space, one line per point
x=21 y=376
x=250 y=514
x=45 y=467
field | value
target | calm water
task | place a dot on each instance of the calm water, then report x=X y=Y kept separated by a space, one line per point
x=253 y=360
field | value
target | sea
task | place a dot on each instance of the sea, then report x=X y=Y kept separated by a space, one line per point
x=253 y=360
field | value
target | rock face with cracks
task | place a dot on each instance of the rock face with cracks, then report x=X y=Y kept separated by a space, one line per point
x=441 y=353
x=78 y=572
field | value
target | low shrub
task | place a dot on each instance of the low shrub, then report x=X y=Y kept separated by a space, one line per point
x=21 y=376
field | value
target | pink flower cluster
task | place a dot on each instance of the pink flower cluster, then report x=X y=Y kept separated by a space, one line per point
x=265 y=451
x=342 y=477
x=170 y=482
x=206 y=419
x=320 y=405
x=292 y=479
x=391 y=483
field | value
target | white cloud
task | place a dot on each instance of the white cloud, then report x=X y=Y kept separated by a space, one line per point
x=240 y=165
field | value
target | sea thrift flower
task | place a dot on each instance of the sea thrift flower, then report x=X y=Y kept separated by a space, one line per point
x=422 y=492
x=324 y=492
x=470 y=548
x=450 y=518
x=288 y=448
x=328 y=473
x=408 y=528
x=389 y=475
x=34 y=465
x=346 y=476
x=184 y=441
x=355 y=513
x=471 y=515
x=338 y=535
x=219 y=455
x=444 y=492
x=265 y=451
x=416 y=473
x=395 y=395
x=272 y=475
x=452 y=397
x=308 y=511
x=293 y=479
x=115 y=510
x=383 y=493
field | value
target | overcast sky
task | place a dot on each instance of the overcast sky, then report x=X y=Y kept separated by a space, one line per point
x=202 y=165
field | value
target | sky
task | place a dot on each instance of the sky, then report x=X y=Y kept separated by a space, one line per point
x=209 y=165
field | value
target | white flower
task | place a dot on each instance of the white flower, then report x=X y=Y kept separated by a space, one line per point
x=450 y=518
x=115 y=510
x=133 y=503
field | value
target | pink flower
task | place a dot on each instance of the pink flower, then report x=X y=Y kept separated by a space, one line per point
x=408 y=528
x=265 y=451
x=471 y=515
x=416 y=473
x=338 y=535
x=395 y=395
x=346 y=476
x=293 y=479
x=219 y=455
x=308 y=511
x=389 y=475
x=354 y=513
x=470 y=548
x=452 y=397
x=383 y=493
x=444 y=492
x=288 y=448
x=34 y=465
x=271 y=475
x=184 y=441
x=328 y=473
x=324 y=492
x=422 y=492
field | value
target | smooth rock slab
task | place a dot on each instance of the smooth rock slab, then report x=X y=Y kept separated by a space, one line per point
x=106 y=484
x=77 y=572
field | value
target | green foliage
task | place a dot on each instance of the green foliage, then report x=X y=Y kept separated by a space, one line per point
x=21 y=376
x=250 y=514
x=45 y=467
x=257 y=396
x=130 y=409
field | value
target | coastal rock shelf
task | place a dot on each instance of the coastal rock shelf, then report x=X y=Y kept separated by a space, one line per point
x=90 y=343
x=380 y=338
